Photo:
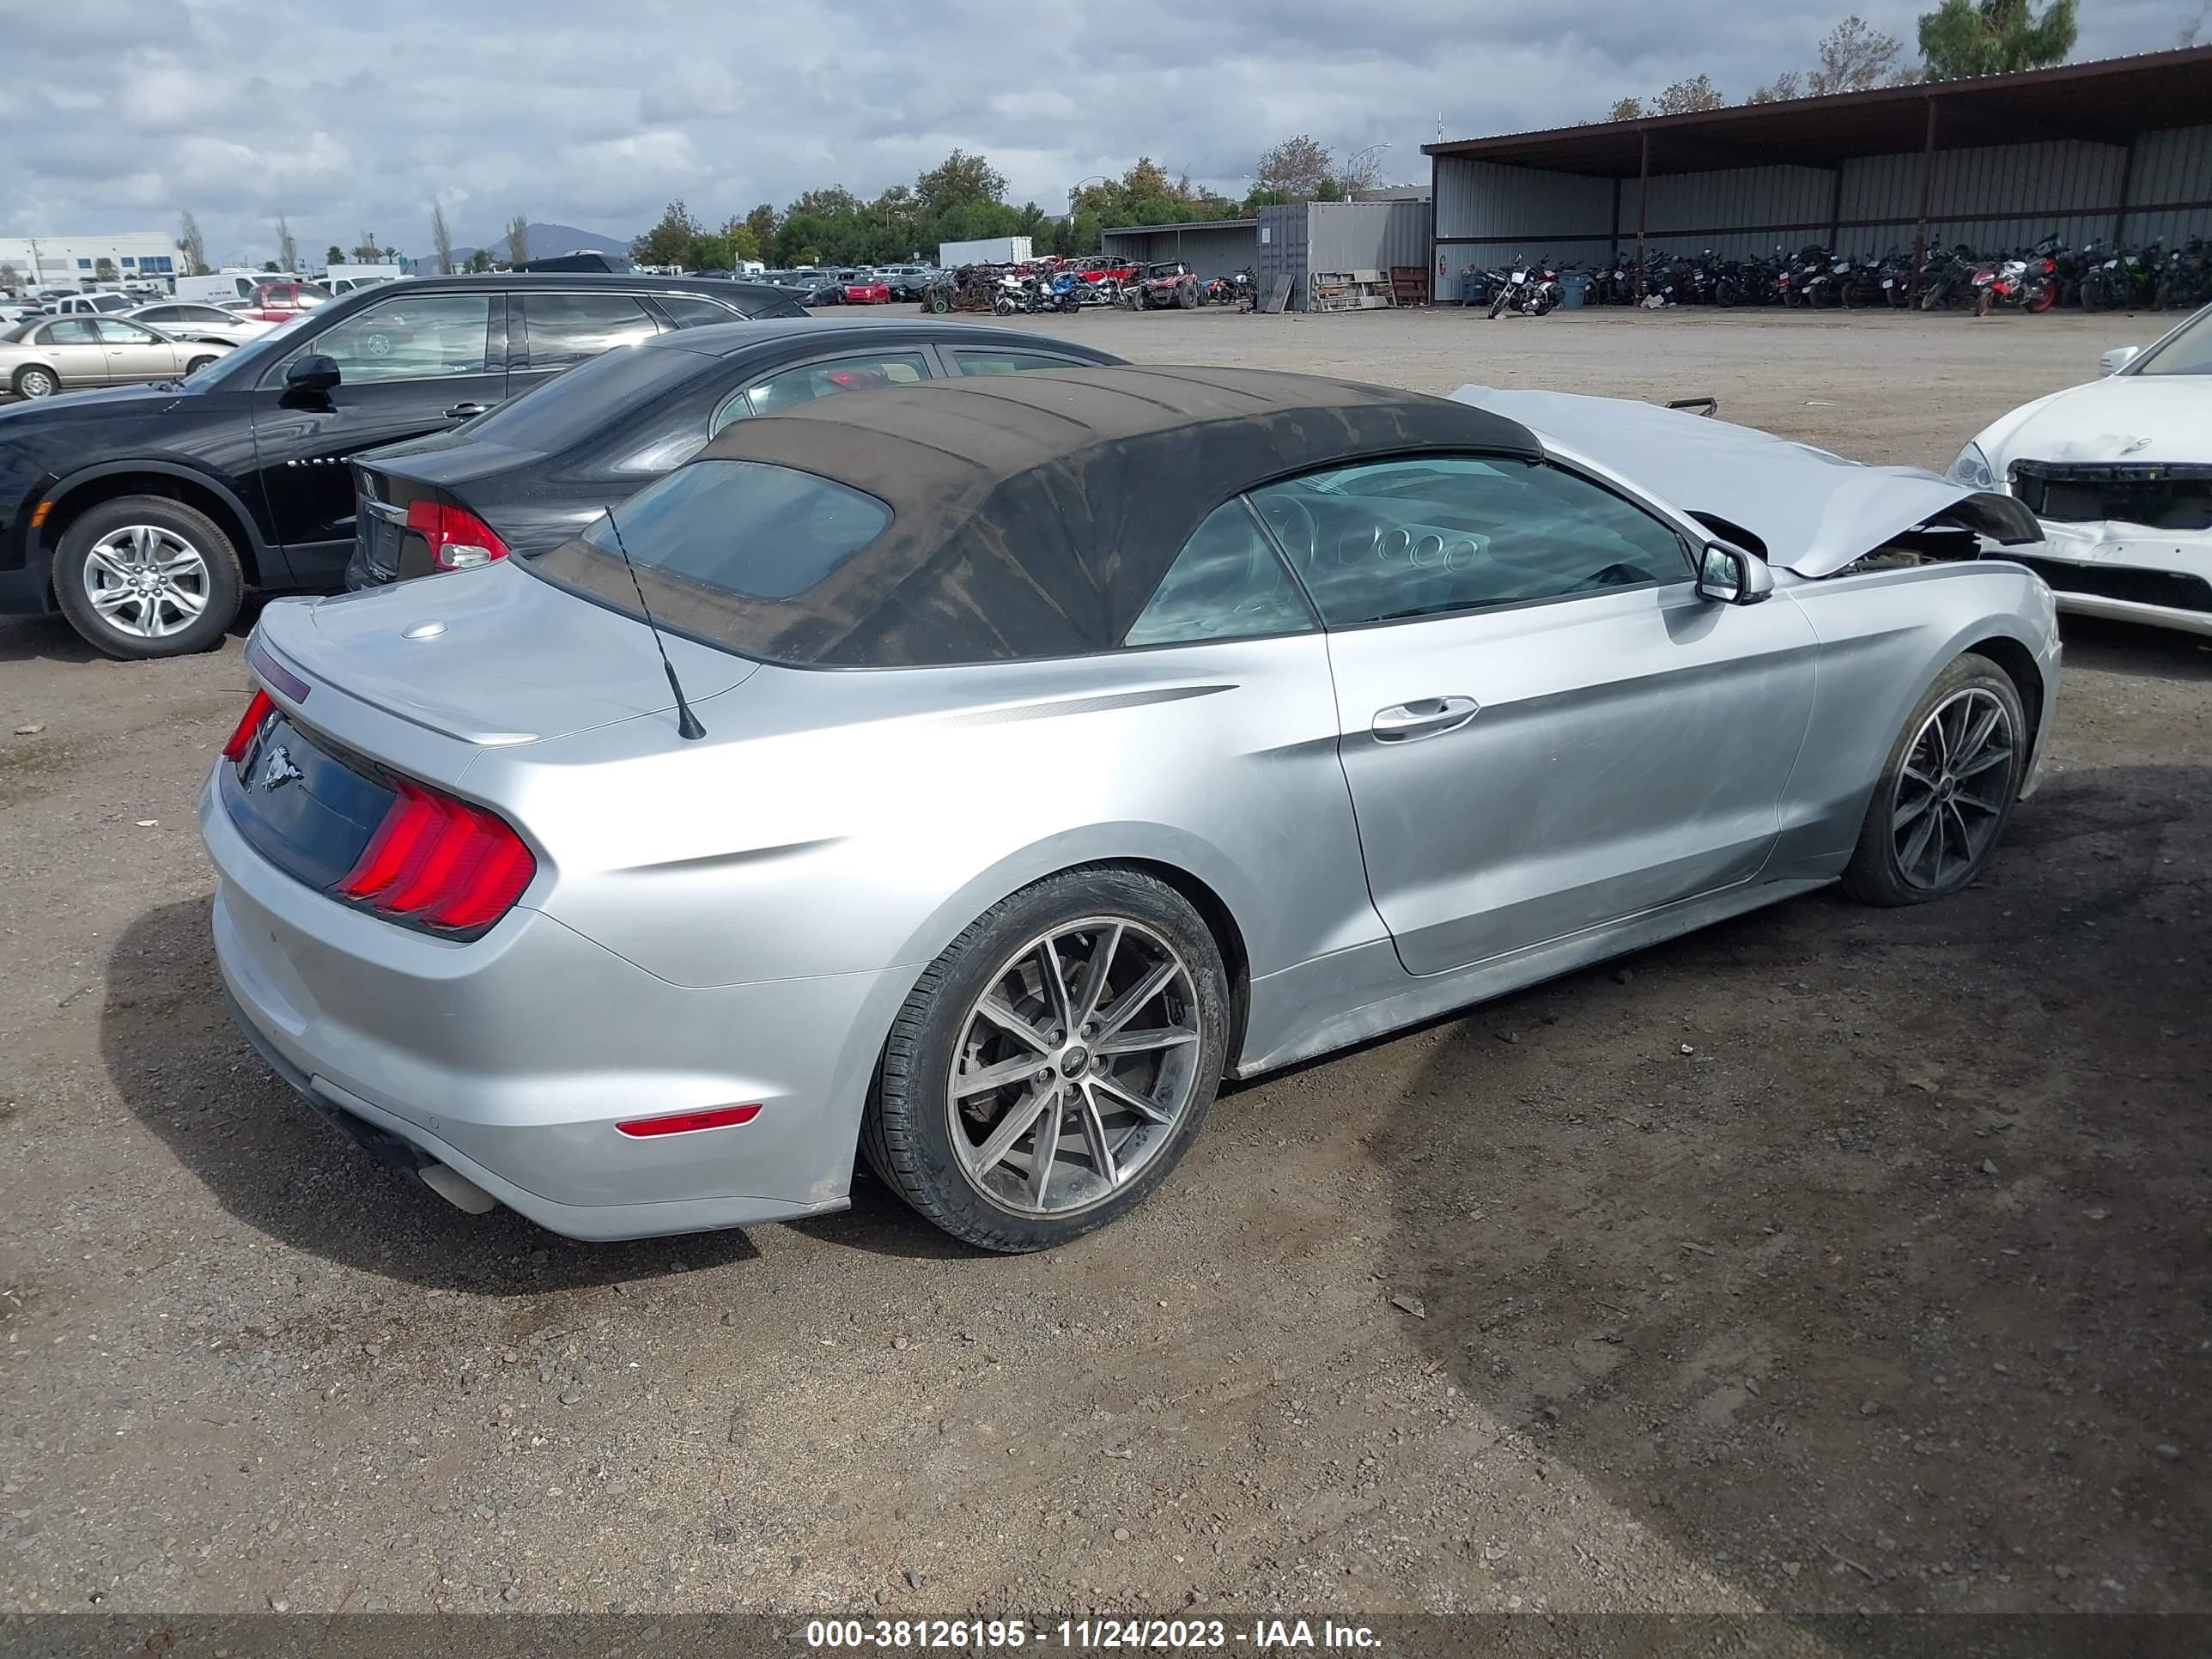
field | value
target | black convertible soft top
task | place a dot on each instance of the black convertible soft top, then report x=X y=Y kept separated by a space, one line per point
x=1032 y=514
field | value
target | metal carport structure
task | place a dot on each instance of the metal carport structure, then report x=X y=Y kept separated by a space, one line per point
x=2118 y=151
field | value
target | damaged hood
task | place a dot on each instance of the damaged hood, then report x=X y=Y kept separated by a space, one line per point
x=2126 y=417
x=1812 y=512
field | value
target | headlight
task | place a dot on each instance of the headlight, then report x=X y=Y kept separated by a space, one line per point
x=1972 y=469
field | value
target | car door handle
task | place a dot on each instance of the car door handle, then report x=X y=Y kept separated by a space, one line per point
x=1426 y=717
x=465 y=412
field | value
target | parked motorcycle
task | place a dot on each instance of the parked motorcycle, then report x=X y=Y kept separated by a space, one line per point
x=1530 y=290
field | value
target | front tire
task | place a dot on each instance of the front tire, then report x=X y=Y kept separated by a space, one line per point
x=1053 y=1063
x=36 y=380
x=1946 y=791
x=144 y=577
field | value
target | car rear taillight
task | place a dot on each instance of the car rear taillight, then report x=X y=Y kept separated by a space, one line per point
x=438 y=862
x=459 y=539
x=249 y=724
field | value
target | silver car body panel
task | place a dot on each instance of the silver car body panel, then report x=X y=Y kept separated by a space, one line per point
x=1814 y=512
x=739 y=919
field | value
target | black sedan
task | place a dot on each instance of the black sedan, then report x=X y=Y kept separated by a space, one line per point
x=143 y=514
x=527 y=476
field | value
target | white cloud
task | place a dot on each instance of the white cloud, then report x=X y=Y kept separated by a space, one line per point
x=122 y=114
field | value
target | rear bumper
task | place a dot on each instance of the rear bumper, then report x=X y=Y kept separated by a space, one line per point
x=510 y=1059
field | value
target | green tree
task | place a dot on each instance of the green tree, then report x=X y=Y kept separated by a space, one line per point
x=1695 y=94
x=333 y=255
x=103 y=270
x=669 y=242
x=743 y=244
x=392 y=256
x=268 y=264
x=479 y=262
x=1782 y=87
x=518 y=239
x=1853 y=56
x=191 y=245
x=441 y=238
x=1626 y=109
x=1962 y=38
x=1297 y=167
x=957 y=179
x=762 y=223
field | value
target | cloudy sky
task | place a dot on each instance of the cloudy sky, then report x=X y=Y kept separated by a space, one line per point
x=120 y=114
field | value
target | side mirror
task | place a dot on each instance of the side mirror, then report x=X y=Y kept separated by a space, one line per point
x=313 y=373
x=2117 y=359
x=1729 y=575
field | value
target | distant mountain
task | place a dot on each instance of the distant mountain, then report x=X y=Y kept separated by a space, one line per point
x=545 y=240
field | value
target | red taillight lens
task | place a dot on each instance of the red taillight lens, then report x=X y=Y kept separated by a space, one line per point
x=249 y=724
x=459 y=539
x=679 y=1123
x=439 y=862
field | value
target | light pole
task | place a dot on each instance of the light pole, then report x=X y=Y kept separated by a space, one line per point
x=1351 y=163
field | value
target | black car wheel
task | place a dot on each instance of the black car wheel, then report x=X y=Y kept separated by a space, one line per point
x=36 y=380
x=145 y=576
x=1053 y=1063
x=1946 y=791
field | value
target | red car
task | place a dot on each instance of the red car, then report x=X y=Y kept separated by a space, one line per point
x=868 y=293
x=281 y=302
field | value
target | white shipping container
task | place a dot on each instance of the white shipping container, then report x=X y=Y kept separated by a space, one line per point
x=988 y=251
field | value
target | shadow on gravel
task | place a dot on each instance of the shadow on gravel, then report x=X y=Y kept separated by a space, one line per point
x=1861 y=1253
x=42 y=639
x=179 y=1063
x=2139 y=652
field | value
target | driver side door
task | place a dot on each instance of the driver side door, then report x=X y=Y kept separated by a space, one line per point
x=1544 y=727
x=411 y=364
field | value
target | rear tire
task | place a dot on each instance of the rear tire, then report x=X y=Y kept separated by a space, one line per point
x=1940 y=805
x=937 y=1150
x=36 y=380
x=93 y=581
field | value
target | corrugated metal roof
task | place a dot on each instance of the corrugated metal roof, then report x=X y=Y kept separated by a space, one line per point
x=2108 y=102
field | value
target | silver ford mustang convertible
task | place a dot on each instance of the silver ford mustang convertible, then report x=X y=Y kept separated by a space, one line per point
x=1030 y=753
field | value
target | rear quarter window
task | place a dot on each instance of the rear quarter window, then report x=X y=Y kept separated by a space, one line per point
x=744 y=528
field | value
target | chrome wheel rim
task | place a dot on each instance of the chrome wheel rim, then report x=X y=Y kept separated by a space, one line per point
x=37 y=383
x=1950 y=793
x=146 y=581
x=1075 y=1067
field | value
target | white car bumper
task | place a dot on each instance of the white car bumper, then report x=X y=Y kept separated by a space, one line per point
x=2130 y=573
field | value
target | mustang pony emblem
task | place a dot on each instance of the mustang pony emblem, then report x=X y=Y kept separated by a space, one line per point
x=279 y=771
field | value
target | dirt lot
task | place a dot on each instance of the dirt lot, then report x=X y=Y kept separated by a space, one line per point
x=1831 y=1258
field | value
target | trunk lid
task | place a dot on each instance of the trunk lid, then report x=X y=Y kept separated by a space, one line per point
x=1815 y=512
x=492 y=657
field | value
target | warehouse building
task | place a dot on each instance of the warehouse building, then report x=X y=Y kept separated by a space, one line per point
x=75 y=261
x=2118 y=151
x=1294 y=241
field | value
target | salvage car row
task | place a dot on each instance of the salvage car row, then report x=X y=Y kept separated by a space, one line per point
x=1017 y=899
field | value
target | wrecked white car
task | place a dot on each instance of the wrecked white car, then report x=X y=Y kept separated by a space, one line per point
x=2119 y=472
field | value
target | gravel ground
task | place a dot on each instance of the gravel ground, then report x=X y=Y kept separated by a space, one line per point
x=1831 y=1259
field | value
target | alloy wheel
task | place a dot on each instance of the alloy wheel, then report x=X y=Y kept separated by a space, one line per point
x=1075 y=1067
x=146 y=581
x=1951 y=793
x=35 y=383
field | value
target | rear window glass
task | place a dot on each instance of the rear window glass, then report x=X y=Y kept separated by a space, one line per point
x=584 y=402
x=744 y=529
